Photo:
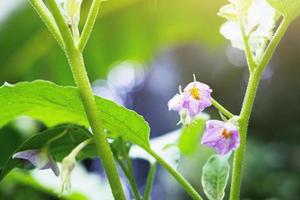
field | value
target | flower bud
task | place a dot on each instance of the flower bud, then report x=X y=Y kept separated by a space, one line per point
x=72 y=11
x=40 y=158
x=68 y=165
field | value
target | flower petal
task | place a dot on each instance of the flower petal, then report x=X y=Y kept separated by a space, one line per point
x=215 y=137
x=175 y=103
x=39 y=158
x=194 y=105
x=30 y=155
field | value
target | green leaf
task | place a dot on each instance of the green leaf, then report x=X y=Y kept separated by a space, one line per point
x=190 y=136
x=10 y=139
x=59 y=148
x=215 y=176
x=53 y=104
x=290 y=9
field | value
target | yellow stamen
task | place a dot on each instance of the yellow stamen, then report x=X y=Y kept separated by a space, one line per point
x=195 y=93
x=226 y=134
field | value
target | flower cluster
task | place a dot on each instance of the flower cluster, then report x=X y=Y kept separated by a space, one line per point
x=222 y=136
x=256 y=17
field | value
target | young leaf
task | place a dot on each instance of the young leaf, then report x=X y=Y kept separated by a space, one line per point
x=214 y=177
x=71 y=136
x=53 y=104
x=290 y=9
x=190 y=135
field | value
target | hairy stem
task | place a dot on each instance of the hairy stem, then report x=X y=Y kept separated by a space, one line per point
x=150 y=181
x=76 y=62
x=130 y=179
x=47 y=18
x=130 y=174
x=75 y=59
x=272 y=46
x=238 y=162
x=223 y=110
x=248 y=52
x=88 y=27
x=61 y=23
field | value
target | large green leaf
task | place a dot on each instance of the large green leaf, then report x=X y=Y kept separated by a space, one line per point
x=214 y=177
x=53 y=104
x=70 y=137
x=290 y=9
x=190 y=136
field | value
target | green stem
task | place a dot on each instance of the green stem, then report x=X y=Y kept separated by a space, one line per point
x=61 y=23
x=181 y=180
x=130 y=176
x=130 y=179
x=248 y=52
x=274 y=43
x=254 y=79
x=238 y=162
x=80 y=146
x=223 y=110
x=76 y=62
x=47 y=18
x=88 y=27
x=80 y=75
x=150 y=181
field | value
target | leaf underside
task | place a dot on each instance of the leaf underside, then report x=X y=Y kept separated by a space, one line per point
x=214 y=177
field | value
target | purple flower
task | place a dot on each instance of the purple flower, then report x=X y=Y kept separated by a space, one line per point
x=175 y=103
x=223 y=136
x=40 y=158
x=196 y=98
x=192 y=101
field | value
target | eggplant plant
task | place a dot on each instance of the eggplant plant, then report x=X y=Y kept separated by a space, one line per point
x=82 y=125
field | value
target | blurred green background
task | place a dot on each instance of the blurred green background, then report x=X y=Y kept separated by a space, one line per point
x=139 y=52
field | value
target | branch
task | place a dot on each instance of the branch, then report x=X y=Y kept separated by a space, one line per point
x=273 y=45
x=89 y=24
x=48 y=19
x=61 y=23
x=250 y=59
x=223 y=110
x=150 y=180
